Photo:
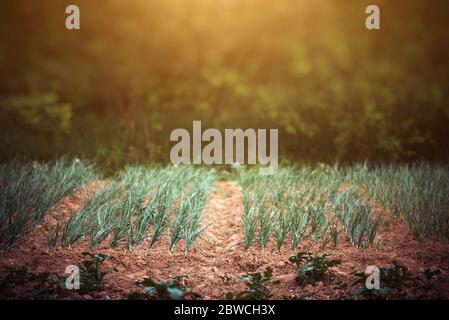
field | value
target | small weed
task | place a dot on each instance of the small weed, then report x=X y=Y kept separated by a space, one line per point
x=48 y=286
x=258 y=286
x=174 y=289
x=312 y=267
x=91 y=273
x=41 y=286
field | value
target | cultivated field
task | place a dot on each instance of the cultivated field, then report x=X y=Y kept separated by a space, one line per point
x=307 y=232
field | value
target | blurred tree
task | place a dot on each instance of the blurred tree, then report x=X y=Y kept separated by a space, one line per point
x=134 y=71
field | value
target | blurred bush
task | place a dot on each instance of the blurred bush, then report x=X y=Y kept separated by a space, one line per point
x=139 y=69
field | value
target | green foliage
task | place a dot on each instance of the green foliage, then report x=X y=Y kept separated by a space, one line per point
x=258 y=286
x=312 y=267
x=91 y=273
x=39 y=113
x=355 y=215
x=310 y=202
x=335 y=90
x=174 y=289
x=322 y=202
x=40 y=286
x=29 y=190
x=416 y=193
x=141 y=204
x=50 y=286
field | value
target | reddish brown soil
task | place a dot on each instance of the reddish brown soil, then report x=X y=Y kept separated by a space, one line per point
x=217 y=260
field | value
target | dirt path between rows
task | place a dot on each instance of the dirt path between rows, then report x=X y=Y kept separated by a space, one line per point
x=217 y=260
x=222 y=218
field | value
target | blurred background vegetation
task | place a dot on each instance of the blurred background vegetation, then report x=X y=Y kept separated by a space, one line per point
x=137 y=69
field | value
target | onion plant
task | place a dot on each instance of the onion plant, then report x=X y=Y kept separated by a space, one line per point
x=28 y=190
x=141 y=203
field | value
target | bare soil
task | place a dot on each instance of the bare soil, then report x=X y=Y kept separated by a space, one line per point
x=217 y=260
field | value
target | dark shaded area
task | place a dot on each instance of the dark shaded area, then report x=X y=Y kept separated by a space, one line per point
x=115 y=89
